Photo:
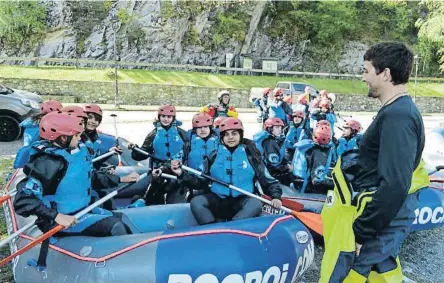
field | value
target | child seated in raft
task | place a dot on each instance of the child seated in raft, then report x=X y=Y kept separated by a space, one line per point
x=299 y=130
x=235 y=161
x=223 y=109
x=313 y=159
x=351 y=138
x=271 y=144
x=164 y=143
x=324 y=113
x=58 y=161
x=279 y=108
x=31 y=131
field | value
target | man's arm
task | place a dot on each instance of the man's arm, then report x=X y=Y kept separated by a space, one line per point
x=396 y=163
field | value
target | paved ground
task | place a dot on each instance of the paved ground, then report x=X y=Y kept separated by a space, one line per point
x=423 y=252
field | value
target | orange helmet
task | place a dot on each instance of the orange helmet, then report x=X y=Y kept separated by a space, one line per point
x=50 y=106
x=270 y=122
x=353 y=124
x=323 y=123
x=93 y=108
x=202 y=120
x=56 y=124
x=218 y=121
x=167 y=110
x=322 y=135
x=325 y=102
x=75 y=111
x=231 y=123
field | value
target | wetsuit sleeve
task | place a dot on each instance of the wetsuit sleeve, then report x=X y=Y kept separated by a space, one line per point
x=287 y=108
x=104 y=180
x=395 y=168
x=270 y=185
x=44 y=174
x=147 y=146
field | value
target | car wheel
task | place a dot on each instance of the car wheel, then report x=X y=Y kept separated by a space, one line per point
x=9 y=128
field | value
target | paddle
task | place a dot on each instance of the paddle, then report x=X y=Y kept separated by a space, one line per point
x=11 y=193
x=57 y=228
x=311 y=220
x=116 y=137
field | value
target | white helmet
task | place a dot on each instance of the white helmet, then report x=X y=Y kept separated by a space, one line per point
x=222 y=93
x=332 y=97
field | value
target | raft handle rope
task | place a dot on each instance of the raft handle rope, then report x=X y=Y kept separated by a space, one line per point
x=58 y=228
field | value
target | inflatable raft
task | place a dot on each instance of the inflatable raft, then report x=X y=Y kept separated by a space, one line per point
x=429 y=214
x=170 y=247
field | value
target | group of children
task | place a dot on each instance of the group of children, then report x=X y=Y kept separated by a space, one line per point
x=298 y=141
x=60 y=144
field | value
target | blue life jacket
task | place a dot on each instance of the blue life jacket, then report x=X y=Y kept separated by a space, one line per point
x=200 y=148
x=300 y=166
x=31 y=132
x=234 y=169
x=74 y=190
x=168 y=144
x=24 y=154
x=105 y=142
x=276 y=110
x=272 y=159
x=295 y=134
x=345 y=145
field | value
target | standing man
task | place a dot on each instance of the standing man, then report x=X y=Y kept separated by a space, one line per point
x=387 y=174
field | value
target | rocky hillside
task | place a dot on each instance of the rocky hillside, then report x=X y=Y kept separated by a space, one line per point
x=309 y=36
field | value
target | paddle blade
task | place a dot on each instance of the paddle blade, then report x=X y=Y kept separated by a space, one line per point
x=30 y=245
x=4 y=198
x=311 y=220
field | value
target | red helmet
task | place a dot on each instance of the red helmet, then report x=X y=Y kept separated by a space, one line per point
x=323 y=93
x=325 y=102
x=298 y=113
x=75 y=110
x=50 y=106
x=231 y=123
x=353 y=124
x=218 y=121
x=167 y=110
x=323 y=123
x=278 y=92
x=56 y=124
x=302 y=99
x=266 y=91
x=322 y=135
x=202 y=120
x=270 y=122
x=93 y=108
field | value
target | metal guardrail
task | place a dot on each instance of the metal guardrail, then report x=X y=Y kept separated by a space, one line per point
x=122 y=64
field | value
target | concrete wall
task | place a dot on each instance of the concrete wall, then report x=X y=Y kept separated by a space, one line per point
x=151 y=94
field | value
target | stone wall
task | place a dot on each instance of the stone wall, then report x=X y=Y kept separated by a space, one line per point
x=151 y=94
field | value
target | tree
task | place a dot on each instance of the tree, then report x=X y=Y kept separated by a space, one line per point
x=431 y=26
x=21 y=22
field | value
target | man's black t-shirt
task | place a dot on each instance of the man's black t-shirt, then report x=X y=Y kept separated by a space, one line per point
x=390 y=151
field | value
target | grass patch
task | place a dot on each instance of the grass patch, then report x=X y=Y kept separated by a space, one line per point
x=425 y=88
x=5 y=168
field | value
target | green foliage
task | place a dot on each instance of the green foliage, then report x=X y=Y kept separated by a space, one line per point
x=192 y=36
x=231 y=25
x=135 y=34
x=123 y=16
x=431 y=29
x=166 y=10
x=108 y=4
x=86 y=15
x=21 y=22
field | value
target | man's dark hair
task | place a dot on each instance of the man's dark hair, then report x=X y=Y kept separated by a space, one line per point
x=395 y=56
